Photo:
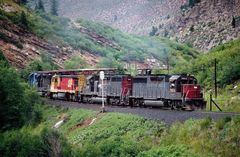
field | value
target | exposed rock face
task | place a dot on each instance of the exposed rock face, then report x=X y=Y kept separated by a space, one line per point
x=207 y=24
x=20 y=47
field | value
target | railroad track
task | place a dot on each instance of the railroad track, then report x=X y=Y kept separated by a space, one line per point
x=168 y=116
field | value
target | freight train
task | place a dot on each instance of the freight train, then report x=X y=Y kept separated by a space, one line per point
x=178 y=91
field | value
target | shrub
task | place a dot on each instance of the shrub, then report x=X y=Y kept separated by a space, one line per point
x=7 y=39
x=45 y=63
x=11 y=99
x=169 y=151
x=17 y=101
x=75 y=63
x=25 y=143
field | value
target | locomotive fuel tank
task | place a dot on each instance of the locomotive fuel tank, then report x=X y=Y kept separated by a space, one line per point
x=154 y=103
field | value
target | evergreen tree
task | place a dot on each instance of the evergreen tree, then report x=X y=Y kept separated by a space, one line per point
x=193 y=2
x=54 y=8
x=154 y=31
x=1 y=3
x=23 y=2
x=233 y=22
x=40 y=6
x=23 y=20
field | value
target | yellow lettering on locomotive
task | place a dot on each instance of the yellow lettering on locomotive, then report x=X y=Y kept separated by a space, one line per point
x=70 y=82
x=82 y=82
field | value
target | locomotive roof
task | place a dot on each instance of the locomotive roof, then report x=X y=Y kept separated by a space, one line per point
x=77 y=70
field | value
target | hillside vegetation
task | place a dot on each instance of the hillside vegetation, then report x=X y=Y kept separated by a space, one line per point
x=228 y=73
x=128 y=48
x=112 y=45
x=91 y=134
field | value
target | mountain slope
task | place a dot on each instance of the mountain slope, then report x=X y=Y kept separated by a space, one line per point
x=204 y=25
x=96 y=43
x=135 y=16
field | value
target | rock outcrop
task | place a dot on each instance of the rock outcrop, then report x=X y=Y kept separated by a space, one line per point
x=205 y=25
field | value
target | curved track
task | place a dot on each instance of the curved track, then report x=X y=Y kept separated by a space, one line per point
x=168 y=116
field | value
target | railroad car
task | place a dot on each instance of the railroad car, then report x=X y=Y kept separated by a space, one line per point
x=171 y=91
x=119 y=88
x=67 y=86
x=41 y=81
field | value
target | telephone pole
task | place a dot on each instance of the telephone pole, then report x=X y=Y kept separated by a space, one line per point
x=215 y=76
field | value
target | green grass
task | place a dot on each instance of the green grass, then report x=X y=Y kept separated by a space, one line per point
x=228 y=98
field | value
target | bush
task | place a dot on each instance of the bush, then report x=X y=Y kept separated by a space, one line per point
x=169 y=151
x=25 y=143
x=11 y=99
x=7 y=39
x=18 y=103
x=3 y=60
x=45 y=63
x=75 y=63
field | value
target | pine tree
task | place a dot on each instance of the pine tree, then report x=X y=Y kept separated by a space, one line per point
x=54 y=8
x=1 y=3
x=23 y=20
x=154 y=31
x=40 y=6
x=23 y=2
x=193 y=2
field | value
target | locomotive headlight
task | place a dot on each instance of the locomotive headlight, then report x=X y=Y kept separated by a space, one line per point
x=195 y=87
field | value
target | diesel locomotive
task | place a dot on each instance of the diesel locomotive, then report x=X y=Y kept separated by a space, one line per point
x=179 y=91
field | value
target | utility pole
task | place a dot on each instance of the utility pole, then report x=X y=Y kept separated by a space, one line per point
x=215 y=76
x=168 y=65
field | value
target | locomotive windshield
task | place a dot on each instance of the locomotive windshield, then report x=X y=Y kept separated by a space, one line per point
x=176 y=82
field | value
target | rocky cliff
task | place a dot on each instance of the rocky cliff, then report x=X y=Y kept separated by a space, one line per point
x=205 y=25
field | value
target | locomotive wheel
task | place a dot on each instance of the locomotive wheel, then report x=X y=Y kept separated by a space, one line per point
x=125 y=101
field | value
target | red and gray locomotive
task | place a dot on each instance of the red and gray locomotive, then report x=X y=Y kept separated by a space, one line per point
x=171 y=91
x=167 y=91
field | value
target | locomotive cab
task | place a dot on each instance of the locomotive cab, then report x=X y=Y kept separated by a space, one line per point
x=188 y=89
